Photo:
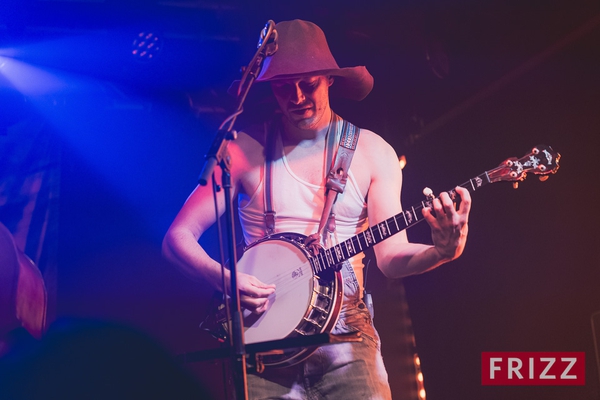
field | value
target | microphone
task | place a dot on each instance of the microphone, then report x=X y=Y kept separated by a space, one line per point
x=267 y=46
x=268 y=39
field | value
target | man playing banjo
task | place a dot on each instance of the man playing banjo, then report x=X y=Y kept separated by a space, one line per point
x=282 y=167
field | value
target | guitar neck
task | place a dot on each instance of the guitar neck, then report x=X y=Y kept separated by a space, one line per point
x=333 y=256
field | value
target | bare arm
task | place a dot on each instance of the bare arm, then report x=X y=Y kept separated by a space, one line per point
x=397 y=257
x=180 y=246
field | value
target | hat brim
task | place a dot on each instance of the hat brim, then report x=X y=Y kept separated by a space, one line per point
x=353 y=83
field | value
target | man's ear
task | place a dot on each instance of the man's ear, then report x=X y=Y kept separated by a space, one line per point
x=330 y=80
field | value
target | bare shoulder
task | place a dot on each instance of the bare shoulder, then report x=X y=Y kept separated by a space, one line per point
x=247 y=159
x=249 y=146
x=374 y=151
x=252 y=135
x=374 y=160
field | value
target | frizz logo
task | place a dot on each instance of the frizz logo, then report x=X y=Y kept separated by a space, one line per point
x=533 y=368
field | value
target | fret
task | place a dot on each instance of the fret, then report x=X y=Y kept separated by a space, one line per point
x=348 y=252
x=350 y=247
x=405 y=220
x=408 y=218
x=359 y=244
x=390 y=228
x=342 y=255
x=330 y=253
x=415 y=214
x=329 y=256
x=321 y=260
x=396 y=222
x=368 y=236
x=338 y=253
x=476 y=183
x=311 y=260
x=379 y=232
x=362 y=242
x=327 y=261
x=383 y=230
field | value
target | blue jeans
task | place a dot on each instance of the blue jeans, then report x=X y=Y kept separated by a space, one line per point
x=350 y=370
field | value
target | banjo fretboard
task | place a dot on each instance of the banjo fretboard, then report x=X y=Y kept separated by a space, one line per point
x=333 y=256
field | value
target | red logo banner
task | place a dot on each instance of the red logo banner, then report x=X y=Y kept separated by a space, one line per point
x=533 y=368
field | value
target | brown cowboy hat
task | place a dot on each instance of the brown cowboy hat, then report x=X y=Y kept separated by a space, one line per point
x=303 y=51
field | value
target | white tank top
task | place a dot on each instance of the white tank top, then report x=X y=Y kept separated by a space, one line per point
x=299 y=204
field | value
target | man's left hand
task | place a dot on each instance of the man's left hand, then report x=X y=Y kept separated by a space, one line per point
x=449 y=225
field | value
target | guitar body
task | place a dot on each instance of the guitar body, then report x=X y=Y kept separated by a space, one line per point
x=304 y=302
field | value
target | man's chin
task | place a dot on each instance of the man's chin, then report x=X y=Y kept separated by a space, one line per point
x=302 y=123
x=306 y=124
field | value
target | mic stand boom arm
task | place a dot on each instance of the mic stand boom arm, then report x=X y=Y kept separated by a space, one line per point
x=267 y=46
x=218 y=155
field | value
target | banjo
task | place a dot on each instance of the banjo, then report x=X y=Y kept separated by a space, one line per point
x=309 y=290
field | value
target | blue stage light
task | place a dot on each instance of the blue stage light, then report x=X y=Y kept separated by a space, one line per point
x=146 y=46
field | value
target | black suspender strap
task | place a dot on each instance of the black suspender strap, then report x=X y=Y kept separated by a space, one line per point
x=336 y=178
x=270 y=137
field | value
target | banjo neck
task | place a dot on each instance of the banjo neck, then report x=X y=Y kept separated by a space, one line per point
x=542 y=160
x=331 y=257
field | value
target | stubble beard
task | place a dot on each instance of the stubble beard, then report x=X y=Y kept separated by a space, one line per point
x=312 y=122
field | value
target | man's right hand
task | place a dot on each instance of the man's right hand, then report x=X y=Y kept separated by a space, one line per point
x=254 y=294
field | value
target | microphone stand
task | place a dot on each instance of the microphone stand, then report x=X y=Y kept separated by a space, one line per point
x=218 y=155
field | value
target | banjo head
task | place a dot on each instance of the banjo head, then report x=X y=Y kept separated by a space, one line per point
x=303 y=303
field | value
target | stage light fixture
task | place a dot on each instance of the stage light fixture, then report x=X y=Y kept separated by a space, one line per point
x=419 y=376
x=146 y=46
x=402 y=161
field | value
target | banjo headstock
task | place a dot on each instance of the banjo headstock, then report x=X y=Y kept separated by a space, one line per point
x=541 y=160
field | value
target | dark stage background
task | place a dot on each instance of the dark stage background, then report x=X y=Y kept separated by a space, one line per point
x=459 y=87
